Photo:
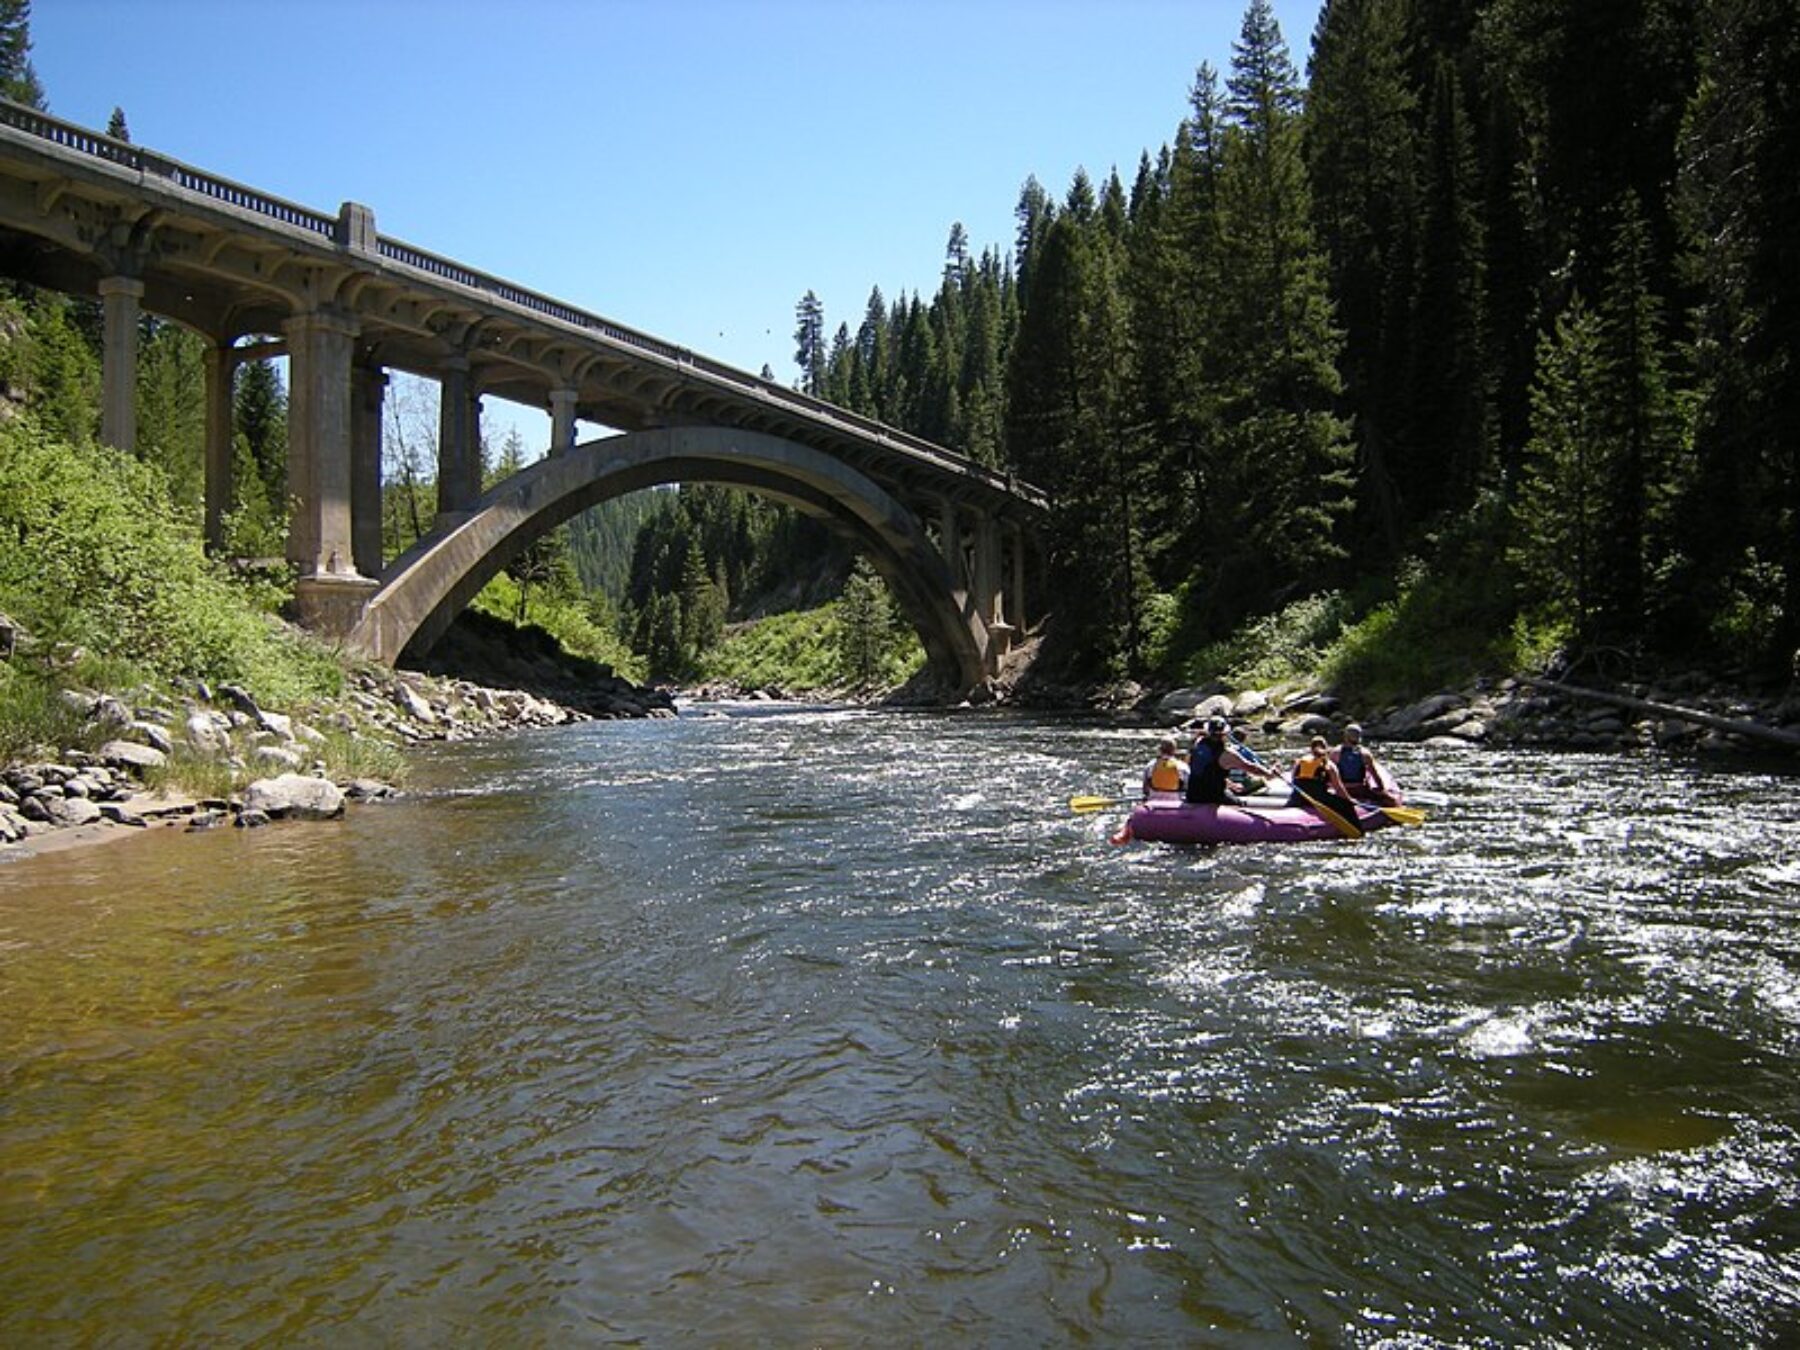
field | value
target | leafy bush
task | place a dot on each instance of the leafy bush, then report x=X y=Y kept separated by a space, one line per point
x=577 y=622
x=92 y=558
x=804 y=649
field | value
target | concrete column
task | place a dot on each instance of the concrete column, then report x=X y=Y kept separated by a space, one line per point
x=1015 y=595
x=319 y=431
x=987 y=570
x=329 y=593
x=950 y=542
x=118 y=370
x=367 y=385
x=562 y=419
x=221 y=366
x=459 y=441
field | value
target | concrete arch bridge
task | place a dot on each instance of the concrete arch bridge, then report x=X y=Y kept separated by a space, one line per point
x=257 y=277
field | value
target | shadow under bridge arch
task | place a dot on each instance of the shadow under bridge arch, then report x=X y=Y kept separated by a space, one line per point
x=424 y=589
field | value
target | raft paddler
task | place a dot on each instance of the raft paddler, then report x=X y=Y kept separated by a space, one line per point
x=1166 y=775
x=1211 y=761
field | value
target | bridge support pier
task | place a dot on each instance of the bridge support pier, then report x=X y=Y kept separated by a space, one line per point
x=119 y=298
x=367 y=386
x=319 y=346
x=562 y=419
x=459 y=441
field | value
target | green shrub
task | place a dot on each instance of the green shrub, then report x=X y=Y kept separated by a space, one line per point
x=33 y=716
x=92 y=558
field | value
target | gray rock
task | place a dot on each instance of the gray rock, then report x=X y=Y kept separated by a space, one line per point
x=415 y=707
x=276 y=757
x=296 y=797
x=130 y=755
x=35 y=807
x=70 y=811
x=239 y=698
x=368 y=790
x=151 y=735
x=208 y=733
x=279 y=723
x=206 y=820
x=251 y=820
x=118 y=815
x=80 y=786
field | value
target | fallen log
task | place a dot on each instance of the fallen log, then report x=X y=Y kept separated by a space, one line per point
x=1737 y=726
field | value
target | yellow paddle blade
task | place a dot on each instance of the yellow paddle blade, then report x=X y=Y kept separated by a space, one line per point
x=1404 y=815
x=1085 y=804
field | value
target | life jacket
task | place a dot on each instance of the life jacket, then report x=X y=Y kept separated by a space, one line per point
x=1352 y=767
x=1310 y=768
x=1165 y=774
x=1206 y=775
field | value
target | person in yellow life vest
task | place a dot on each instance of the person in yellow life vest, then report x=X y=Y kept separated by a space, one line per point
x=1167 y=772
x=1315 y=776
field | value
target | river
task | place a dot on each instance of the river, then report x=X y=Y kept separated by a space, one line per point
x=803 y=1027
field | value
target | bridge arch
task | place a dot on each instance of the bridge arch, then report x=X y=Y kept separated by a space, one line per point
x=422 y=591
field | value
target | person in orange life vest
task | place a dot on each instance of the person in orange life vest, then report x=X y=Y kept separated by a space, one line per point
x=1166 y=773
x=1210 y=761
x=1315 y=776
x=1363 y=778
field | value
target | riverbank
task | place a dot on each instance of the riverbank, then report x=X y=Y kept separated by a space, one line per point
x=200 y=757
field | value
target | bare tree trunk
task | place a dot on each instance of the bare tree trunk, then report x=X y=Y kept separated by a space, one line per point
x=1754 y=731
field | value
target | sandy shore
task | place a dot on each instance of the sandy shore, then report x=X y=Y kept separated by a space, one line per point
x=159 y=811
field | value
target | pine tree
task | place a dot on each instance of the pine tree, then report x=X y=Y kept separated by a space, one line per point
x=171 y=404
x=1640 y=432
x=1740 y=209
x=116 y=128
x=1559 y=512
x=18 y=80
x=1280 y=473
x=1361 y=158
x=809 y=344
x=1067 y=429
x=865 y=626
x=1448 y=452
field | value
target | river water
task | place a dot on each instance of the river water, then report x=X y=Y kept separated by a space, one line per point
x=838 y=1028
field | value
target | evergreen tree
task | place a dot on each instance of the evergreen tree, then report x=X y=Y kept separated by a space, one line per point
x=1740 y=209
x=866 y=626
x=171 y=403
x=1640 y=431
x=259 y=415
x=1559 y=512
x=1448 y=441
x=1067 y=429
x=1361 y=157
x=18 y=80
x=116 y=128
x=809 y=344
x=1279 y=474
x=702 y=605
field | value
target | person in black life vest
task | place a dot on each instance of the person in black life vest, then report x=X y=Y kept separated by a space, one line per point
x=1166 y=773
x=1315 y=776
x=1209 y=763
x=1363 y=778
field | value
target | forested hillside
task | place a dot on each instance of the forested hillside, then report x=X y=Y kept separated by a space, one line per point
x=1485 y=334
x=1478 y=343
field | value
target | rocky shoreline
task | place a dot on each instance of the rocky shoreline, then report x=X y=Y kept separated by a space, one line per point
x=1686 y=713
x=146 y=743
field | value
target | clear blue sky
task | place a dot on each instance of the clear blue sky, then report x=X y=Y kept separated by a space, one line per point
x=691 y=168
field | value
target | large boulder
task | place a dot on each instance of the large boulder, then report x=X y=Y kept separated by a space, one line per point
x=130 y=755
x=294 y=796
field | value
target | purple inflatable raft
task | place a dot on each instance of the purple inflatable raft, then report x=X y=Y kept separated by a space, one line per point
x=1169 y=820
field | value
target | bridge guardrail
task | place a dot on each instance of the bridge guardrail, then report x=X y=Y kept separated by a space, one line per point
x=139 y=160
x=122 y=153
